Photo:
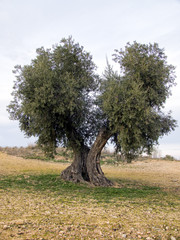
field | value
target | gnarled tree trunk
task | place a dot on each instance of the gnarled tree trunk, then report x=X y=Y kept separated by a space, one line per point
x=86 y=164
x=95 y=173
x=77 y=171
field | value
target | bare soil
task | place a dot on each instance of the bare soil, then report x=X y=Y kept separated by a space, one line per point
x=35 y=214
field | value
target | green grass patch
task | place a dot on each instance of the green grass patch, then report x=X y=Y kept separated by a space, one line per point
x=53 y=183
x=42 y=158
x=46 y=159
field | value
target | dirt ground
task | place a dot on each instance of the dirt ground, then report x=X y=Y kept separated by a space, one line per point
x=36 y=215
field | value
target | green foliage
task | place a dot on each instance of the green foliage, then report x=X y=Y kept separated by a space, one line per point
x=132 y=101
x=147 y=65
x=55 y=98
x=52 y=95
x=169 y=157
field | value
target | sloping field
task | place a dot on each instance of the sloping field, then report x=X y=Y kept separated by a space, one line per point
x=36 y=204
x=154 y=172
x=12 y=165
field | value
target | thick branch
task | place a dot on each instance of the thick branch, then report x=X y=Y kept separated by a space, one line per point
x=96 y=175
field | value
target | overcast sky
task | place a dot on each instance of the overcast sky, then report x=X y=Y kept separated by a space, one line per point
x=100 y=26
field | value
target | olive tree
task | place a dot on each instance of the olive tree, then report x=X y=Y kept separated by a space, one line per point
x=60 y=99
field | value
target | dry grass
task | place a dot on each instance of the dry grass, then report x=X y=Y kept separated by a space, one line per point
x=161 y=173
x=136 y=211
x=12 y=165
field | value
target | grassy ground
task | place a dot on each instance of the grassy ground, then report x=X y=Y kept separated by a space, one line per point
x=36 y=204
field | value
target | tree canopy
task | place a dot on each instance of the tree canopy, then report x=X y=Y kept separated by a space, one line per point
x=60 y=99
x=52 y=95
x=133 y=101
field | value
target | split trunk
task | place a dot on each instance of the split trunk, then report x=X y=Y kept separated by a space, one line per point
x=86 y=165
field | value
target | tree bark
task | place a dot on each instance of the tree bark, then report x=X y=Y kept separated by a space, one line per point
x=77 y=171
x=86 y=164
x=95 y=173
